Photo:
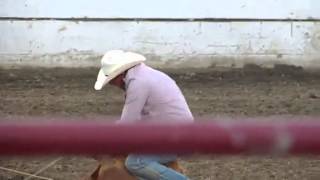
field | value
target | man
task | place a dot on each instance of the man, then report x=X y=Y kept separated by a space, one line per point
x=151 y=96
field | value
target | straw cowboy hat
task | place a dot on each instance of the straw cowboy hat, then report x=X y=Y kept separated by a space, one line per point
x=114 y=63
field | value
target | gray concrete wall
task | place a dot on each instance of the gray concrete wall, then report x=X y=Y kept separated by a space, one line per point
x=170 y=33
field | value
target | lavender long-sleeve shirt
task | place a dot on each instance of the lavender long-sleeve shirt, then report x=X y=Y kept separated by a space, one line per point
x=154 y=97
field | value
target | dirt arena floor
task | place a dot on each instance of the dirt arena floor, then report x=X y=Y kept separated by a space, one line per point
x=249 y=92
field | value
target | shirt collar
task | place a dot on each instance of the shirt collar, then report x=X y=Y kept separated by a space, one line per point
x=132 y=73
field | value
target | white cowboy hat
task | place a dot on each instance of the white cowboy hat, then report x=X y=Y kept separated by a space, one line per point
x=114 y=63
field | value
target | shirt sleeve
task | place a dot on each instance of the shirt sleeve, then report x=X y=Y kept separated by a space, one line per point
x=136 y=97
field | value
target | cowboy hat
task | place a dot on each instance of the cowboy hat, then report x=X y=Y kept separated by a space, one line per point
x=115 y=62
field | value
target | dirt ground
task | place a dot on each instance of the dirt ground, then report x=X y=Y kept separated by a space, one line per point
x=214 y=92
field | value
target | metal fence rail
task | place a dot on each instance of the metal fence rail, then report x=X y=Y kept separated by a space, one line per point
x=92 y=138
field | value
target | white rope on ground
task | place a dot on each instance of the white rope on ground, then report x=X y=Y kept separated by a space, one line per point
x=24 y=173
x=44 y=168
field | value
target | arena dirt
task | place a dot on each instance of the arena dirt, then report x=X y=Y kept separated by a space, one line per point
x=213 y=93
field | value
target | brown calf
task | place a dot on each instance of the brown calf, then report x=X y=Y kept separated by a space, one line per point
x=114 y=169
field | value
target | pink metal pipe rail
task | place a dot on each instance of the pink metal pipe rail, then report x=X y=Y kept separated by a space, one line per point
x=85 y=138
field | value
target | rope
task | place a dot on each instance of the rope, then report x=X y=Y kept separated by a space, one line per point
x=44 y=168
x=24 y=173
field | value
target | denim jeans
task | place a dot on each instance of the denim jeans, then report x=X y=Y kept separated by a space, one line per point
x=151 y=167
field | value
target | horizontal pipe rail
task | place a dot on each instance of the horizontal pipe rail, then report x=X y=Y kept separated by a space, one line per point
x=136 y=19
x=96 y=138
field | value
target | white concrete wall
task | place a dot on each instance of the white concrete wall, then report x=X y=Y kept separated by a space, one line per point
x=279 y=9
x=171 y=33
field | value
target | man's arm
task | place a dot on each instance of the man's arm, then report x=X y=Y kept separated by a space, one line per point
x=136 y=96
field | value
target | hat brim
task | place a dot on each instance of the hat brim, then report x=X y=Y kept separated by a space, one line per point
x=102 y=80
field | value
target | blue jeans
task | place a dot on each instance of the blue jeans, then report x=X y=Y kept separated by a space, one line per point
x=151 y=167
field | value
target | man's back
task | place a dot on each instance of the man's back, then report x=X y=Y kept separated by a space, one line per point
x=153 y=96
